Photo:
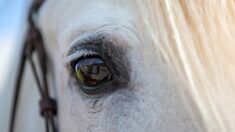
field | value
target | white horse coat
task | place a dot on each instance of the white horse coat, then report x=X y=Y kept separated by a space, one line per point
x=149 y=102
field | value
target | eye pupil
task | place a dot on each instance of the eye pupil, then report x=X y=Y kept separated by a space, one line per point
x=92 y=71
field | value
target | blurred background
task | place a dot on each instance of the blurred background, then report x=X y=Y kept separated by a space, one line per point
x=13 y=26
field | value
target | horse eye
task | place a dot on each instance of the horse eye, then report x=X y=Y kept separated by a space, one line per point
x=91 y=73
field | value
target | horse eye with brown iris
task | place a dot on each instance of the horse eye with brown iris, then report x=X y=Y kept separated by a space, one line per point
x=91 y=73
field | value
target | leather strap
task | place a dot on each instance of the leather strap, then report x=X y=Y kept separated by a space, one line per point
x=34 y=44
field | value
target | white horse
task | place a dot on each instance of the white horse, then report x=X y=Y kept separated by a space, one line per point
x=148 y=99
x=141 y=66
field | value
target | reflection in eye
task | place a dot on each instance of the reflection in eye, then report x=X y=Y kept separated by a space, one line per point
x=92 y=72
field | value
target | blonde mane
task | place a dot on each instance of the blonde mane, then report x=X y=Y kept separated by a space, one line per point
x=197 y=39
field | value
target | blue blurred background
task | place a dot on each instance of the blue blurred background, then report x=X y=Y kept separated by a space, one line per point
x=13 y=26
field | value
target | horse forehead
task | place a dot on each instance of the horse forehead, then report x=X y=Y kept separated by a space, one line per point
x=70 y=18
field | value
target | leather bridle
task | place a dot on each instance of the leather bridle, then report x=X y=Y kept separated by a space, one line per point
x=34 y=44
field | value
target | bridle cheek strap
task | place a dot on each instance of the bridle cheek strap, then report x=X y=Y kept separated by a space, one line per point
x=34 y=43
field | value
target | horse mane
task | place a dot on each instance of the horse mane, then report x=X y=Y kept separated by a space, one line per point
x=196 y=39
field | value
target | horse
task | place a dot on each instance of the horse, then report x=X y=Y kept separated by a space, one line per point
x=156 y=65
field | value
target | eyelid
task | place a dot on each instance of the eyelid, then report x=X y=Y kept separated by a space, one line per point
x=79 y=54
x=74 y=51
